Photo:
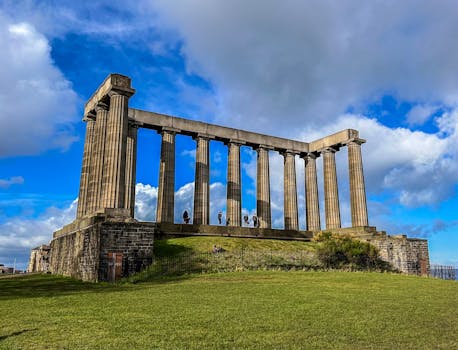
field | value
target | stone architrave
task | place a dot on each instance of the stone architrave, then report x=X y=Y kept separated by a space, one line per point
x=357 y=187
x=202 y=182
x=131 y=168
x=331 y=194
x=98 y=157
x=263 y=188
x=290 y=192
x=234 y=190
x=83 y=197
x=114 y=177
x=311 y=193
x=166 y=191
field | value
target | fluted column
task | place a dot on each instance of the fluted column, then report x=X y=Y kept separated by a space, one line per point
x=98 y=157
x=357 y=187
x=202 y=182
x=263 y=188
x=331 y=194
x=114 y=176
x=131 y=168
x=311 y=193
x=234 y=193
x=166 y=192
x=86 y=166
x=290 y=192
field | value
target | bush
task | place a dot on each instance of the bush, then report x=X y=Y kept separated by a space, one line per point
x=341 y=251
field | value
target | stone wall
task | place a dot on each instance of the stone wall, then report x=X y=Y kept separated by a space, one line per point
x=81 y=249
x=408 y=255
x=39 y=259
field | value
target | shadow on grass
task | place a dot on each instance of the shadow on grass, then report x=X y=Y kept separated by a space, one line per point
x=3 y=337
x=38 y=285
x=162 y=248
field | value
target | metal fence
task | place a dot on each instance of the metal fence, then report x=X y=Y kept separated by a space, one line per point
x=443 y=272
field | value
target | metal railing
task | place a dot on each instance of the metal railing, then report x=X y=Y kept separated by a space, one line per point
x=442 y=271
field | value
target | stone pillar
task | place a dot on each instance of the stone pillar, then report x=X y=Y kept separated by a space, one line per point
x=263 y=188
x=166 y=191
x=311 y=193
x=131 y=168
x=98 y=157
x=86 y=167
x=202 y=182
x=114 y=176
x=331 y=194
x=357 y=186
x=234 y=192
x=290 y=192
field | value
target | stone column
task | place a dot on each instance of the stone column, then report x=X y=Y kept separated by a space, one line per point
x=202 y=182
x=331 y=194
x=83 y=203
x=166 y=191
x=290 y=192
x=98 y=157
x=114 y=176
x=131 y=168
x=311 y=193
x=234 y=193
x=263 y=188
x=357 y=186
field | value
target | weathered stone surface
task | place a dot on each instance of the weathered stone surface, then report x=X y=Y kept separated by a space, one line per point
x=234 y=185
x=166 y=186
x=311 y=194
x=263 y=188
x=290 y=192
x=39 y=259
x=331 y=193
x=83 y=252
x=202 y=182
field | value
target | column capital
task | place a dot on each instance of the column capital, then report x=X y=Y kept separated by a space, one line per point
x=124 y=92
x=234 y=142
x=355 y=140
x=288 y=152
x=202 y=136
x=101 y=106
x=134 y=124
x=331 y=149
x=262 y=147
x=310 y=155
x=168 y=130
x=89 y=117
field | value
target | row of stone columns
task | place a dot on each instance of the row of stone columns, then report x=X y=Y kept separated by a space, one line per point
x=109 y=158
x=201 y=211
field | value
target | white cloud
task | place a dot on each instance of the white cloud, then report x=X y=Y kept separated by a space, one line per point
x=15 y=180
x=419 y=114
x=18 y=235
x=283 y=65
x=37 y=103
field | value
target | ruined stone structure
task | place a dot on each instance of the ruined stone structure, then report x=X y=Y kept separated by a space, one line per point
x=105 y=241
x=39 y=259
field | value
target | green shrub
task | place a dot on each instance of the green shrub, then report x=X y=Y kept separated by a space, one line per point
x=342 y=251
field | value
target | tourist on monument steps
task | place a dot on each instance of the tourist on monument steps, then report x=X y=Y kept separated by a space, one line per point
x=220 y=217
x=186 y=217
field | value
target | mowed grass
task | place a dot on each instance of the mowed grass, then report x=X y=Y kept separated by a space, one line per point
x=244 y=310
x=171 y=246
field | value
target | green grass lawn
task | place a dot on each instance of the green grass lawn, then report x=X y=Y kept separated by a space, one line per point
x=244 y=310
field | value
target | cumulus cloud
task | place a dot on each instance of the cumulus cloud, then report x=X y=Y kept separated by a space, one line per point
x=29 y=75
x=15 y=180
x=18 y=235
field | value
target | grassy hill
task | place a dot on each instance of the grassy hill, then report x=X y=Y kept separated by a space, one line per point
x=243 y=310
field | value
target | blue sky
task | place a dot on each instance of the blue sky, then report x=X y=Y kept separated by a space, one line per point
x=297 y=69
